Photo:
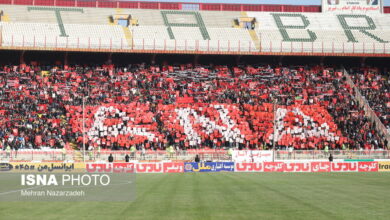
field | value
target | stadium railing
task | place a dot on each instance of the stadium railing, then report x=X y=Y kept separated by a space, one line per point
x=205 y=155
x=206 y=46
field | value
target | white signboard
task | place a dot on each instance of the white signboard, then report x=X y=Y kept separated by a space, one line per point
x=252 y=156
x=352 y=6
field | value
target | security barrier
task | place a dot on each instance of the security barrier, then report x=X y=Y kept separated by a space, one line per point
x=184 y=167
x=307 y=167
x=189 y=155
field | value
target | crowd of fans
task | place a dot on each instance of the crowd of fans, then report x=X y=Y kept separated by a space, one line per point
x=313 y=107
x=374 y=85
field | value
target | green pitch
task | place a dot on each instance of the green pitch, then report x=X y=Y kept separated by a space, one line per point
x=231 y=196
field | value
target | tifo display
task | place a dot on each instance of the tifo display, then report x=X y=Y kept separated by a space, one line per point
x=185 y=106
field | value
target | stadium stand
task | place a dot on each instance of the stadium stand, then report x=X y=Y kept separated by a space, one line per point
x=187 y=28
x=169 y=30
x=337 y=33
x=186 y=106
x=79 y=36
x=190 y=106
x=375 y=87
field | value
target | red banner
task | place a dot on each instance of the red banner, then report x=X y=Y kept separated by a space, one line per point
x=297 y=167
x=110 y=167
x=371 y=166
x=273 y=166
x=344 y=167
x=178 y=167
x=248 y=167
x=307 y=167
x=173 y=167
x=149 y=168
x=320 y=166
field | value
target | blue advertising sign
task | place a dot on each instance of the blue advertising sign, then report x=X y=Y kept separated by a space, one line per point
x=209 y=167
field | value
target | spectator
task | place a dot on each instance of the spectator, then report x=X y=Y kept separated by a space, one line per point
x=110 y=158
x=375 y=87
x=314 y=107
x=197 y=159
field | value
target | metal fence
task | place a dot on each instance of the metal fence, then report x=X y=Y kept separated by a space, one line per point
x=10 y=40
x=205 y=155
x=79 y=156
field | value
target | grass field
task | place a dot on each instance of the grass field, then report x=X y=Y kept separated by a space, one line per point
x=231 y=196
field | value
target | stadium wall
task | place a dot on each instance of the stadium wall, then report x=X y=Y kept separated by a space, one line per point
x=190 y=167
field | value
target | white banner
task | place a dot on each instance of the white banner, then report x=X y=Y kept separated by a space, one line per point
x=249 y=156
x=352 y=6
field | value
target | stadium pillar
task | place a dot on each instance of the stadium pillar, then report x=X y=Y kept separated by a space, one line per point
x=109 y=58
x=322 y=61
x=84 y=97
x=153 y=59
x=196 y=59
x=238 y=58
x=280 y=60
x=66 y=58
x=21 y=58
x=274 y=127
x=363 y=61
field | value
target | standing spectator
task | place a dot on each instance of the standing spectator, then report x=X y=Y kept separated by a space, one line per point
x=197 y=159
x=63 y=153
x=110 y=158
x=8 y=152
x=330 y=158
x=143 y=153
x=290 y=152
x=133 y=152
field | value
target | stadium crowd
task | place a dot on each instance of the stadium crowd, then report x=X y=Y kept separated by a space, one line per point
x=374 y=85
x=313 y=108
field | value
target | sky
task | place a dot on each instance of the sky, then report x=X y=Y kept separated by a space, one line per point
x=284 y=2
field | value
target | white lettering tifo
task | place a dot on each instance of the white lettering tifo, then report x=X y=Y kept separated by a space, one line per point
x=309 y=126
x=119 y=129
x=188 y=117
